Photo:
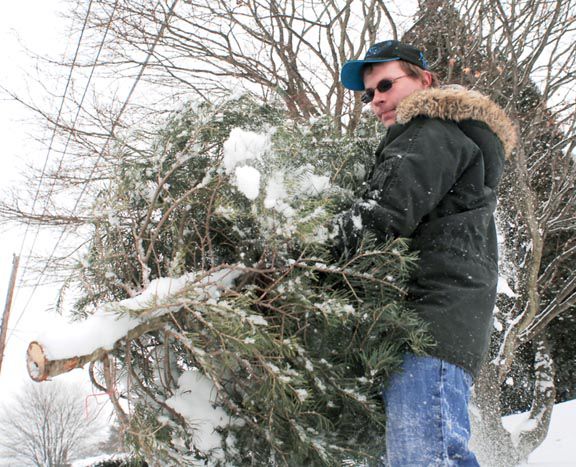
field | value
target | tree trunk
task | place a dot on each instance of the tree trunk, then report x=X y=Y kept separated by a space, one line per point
x=490 y=440
x=41 y=367
x=542 y=403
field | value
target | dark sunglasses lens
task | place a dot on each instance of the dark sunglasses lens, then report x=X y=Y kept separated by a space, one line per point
x=368 y=96
x=384 y=85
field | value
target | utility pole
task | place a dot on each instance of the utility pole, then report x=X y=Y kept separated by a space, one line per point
x=6 y=315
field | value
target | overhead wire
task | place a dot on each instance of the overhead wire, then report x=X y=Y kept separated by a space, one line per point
x=111 y=133
x=47 y=158
x=50 y=148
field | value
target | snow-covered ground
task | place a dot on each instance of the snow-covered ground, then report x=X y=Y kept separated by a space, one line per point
x=559 y=448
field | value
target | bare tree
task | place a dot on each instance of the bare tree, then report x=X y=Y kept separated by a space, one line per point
x=48 y=425
x=291 y=50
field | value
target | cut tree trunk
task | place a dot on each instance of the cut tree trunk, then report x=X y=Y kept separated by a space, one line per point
x=41 y=367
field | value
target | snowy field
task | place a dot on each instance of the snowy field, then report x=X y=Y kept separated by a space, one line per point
x=559 y=448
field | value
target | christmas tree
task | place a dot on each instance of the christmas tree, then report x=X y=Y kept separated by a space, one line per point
x=266 y=347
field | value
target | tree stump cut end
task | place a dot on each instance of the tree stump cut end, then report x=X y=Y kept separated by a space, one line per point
x=36 y=362
x=40 y=368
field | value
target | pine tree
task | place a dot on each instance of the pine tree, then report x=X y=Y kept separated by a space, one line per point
x=296 y=351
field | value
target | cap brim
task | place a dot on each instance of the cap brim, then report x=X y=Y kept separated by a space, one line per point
x=351 y=73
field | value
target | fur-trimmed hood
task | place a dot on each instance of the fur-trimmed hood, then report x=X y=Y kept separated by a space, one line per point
x=458 y=104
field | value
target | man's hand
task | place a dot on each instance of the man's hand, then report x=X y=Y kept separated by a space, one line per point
x=349 y=231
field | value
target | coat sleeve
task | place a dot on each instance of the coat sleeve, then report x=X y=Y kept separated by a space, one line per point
x=416 y=170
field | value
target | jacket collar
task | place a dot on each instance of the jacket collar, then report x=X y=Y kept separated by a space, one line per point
x=458 y=104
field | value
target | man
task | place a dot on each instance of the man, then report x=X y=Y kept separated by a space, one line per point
x=434 y=181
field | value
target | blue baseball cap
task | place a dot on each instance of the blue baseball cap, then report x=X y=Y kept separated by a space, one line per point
x=387 y=51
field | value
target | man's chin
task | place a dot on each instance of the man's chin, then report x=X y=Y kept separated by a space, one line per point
x=388 y=119
x=388 y=122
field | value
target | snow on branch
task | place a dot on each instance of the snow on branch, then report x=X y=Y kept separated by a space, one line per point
x=90 y=340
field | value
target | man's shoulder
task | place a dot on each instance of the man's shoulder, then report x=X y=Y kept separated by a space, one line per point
x=428 y=132
x=439 y=108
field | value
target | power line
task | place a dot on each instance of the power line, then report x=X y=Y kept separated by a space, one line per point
x=125 y=104
x=111 y=132
x=50 y=146
x=86 y=87
x=47 y=157
x=75 y=120
x=58 y=116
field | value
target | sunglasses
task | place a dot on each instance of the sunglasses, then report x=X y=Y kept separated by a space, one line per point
x=382 y=86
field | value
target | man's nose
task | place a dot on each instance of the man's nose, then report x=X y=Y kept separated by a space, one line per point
x=379 y=96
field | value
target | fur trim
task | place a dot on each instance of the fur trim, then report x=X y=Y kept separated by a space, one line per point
x=458 y=104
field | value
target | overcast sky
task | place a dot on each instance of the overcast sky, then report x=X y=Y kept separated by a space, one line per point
x=27 y=29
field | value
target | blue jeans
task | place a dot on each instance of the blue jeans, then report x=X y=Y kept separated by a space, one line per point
x=427 y=414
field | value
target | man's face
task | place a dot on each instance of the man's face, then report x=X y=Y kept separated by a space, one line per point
x=384 y=103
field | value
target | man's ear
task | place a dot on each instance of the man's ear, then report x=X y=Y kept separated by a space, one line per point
x=427 y=79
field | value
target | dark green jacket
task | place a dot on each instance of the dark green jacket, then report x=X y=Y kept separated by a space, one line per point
x=435 y=182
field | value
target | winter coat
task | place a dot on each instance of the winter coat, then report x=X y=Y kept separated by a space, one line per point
x=435 y=182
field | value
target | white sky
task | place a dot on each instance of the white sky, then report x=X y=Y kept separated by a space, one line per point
x=36 y=25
